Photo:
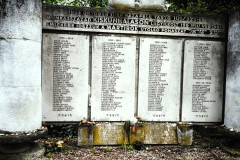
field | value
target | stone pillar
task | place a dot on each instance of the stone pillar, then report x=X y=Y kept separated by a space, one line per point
x=20 y=65
x=232 y=104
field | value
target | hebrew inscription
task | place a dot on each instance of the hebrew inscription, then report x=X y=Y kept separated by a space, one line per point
x=113 y=78
x=65 y=77
x=159 y=79
x=203 y=81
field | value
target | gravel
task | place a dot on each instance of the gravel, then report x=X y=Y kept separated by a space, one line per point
x=202 y=149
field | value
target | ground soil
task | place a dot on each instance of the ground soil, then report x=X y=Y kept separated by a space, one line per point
x=203 y=148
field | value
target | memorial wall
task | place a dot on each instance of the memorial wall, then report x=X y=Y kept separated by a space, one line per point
x=107 y=65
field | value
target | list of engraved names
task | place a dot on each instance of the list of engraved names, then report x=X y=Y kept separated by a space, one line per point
x=65 y=77
x=203 y=81
x=113 y=82
x=159 y=79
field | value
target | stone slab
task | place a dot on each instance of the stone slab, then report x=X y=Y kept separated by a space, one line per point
x=17 y=111
x=17 y=18
x=65 y=77
x=85 y=135
x=159 y=79
x=132 y=22
x=232 y=103
x=20 y=63
x=155 y=133
x=109 y=134
x=203 y=81
x=113 y=78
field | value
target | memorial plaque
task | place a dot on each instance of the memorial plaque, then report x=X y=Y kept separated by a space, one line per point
x=159 y=79
x=203 y=81
x=65 y=77
x=133 y=22
x=113 y=78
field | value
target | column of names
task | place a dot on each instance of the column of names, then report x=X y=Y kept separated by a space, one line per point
x=113 y=78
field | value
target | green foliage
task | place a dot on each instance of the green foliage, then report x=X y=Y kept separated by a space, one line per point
x=83 y=3
x=128 y=147
x=108 y=149
x=211 y=7
x=49 y=155
x=94 y=150
x=185 y=158
x=62 y=130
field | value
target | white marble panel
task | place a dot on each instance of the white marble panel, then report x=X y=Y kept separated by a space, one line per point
x=203 y=81
x=113 y=78
x=159 y=79
x=65 y=77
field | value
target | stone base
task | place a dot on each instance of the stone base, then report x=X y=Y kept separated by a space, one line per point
x=109 y=134
x=118 y=133
x=185 y=133
x=85 y=135
x=155 y=133
x=34 y=153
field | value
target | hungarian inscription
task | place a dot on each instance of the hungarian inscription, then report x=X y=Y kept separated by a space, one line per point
x=159 y=79
x=65 y=77
x=132 y=22
x=113 y=78
x=203 y=81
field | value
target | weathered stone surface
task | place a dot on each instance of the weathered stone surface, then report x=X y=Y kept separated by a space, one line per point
x=159 y=79
x=36 y=152
x=203 y=81
x=232 y=103
x=155 y=133
x=185 y=133
x=65 y=77
x=113 y=78
x=152 y=4
x=132 y=22
x=20 y=65
x=109 y=134
x=17 y=18
x=121 y=4
x=85 y=135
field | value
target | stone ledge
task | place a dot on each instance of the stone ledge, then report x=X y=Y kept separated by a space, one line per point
x=19 y=137
x=118 y=133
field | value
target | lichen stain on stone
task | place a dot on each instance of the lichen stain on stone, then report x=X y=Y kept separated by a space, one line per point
x=85 y=135
x=3 y=5
x=97 y=139
x=20 y=3
x=185 y=134
x=138 y=136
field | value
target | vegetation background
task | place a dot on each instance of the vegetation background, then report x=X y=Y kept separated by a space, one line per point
x=210 y=7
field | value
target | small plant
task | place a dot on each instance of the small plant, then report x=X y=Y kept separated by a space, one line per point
x=130 y=147
x=49 y=155
x=94 y=150
x=185 y=158
x=123 y=146
x=108 y=149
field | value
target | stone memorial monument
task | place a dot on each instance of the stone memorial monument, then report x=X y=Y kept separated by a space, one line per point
x=146 y=71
